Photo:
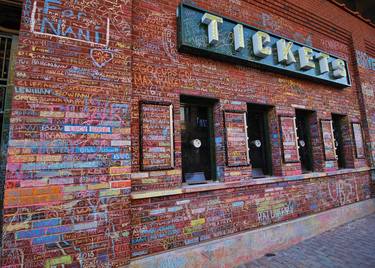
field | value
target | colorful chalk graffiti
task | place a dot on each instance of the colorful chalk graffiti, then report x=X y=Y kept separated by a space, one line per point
x=161 y=223
x=236 y=139
x=74 y=147
x=67 y=195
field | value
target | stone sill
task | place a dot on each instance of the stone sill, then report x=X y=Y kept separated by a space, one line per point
x=236 y=184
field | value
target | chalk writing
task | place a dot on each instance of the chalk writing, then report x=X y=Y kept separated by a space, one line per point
x=56 y=21
x=157 y=136
x=289 y=139
x=236 y=139
x=358 y=140
x=328 y=140
x=101 y=57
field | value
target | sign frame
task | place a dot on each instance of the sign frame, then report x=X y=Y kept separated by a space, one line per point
x=187 y=48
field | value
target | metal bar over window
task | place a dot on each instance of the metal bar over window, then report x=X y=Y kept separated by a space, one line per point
x=5 y=47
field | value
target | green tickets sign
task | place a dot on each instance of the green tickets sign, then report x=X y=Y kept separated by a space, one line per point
x=205 y=33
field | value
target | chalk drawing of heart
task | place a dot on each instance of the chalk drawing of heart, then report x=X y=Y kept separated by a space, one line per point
x=101 y=57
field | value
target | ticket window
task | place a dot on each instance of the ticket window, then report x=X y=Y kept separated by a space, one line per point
x=259 y=146
x=337 y=123
x=304 y=139
x=197 y=138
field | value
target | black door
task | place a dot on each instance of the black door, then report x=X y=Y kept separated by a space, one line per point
x=197 y=149
x=258 y=142
x=303 y=133
x=337 y=133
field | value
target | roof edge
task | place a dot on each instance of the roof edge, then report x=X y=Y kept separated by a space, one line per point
x=354 y=13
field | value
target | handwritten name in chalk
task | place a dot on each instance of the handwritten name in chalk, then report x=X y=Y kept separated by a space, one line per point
x=74 y=129
x=29 y=90
x=68 y=24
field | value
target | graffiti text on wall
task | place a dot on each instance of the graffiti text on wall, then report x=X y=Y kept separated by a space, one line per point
x=52 y=20
x=364 y=60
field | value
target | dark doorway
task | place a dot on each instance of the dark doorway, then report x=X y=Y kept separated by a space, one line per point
x=5 y=55
x=259 y=146
x=304 y=139
x=197 y=137
x=10 y=19
x=337 y=123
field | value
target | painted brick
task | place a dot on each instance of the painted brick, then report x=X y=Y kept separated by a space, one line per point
x=30 y=233
x=59 y=260
x=98 y=186
x=59 y=229
x=85 y=226
x=121 y=184
x=110 y=192
x=46 y=223
x=46 y=240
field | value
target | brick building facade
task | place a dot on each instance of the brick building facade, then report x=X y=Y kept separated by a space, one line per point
x=107 y=124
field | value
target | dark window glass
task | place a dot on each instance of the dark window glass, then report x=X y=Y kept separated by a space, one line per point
x=337 y=123
x=198 y=162
x=304 y=139
x=259 y=146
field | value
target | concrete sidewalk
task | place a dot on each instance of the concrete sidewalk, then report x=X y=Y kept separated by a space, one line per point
x=350 y=245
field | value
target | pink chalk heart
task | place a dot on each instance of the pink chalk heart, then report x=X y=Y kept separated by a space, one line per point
x=101 y=57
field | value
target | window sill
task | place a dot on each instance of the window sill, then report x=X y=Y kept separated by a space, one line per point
x=225 y=185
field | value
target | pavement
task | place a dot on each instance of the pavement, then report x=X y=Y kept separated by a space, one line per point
x=348 y=246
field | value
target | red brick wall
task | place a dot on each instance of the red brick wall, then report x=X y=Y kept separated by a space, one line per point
x=161 y=73
x=75 y=133
x=169 y=222
x=68 y=171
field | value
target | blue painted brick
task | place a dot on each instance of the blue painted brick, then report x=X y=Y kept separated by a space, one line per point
x=29 y=233
x=46 y=239
x=59 y=229
x=46 y=223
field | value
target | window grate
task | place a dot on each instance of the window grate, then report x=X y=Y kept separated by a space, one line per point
x=2 y=99
x=5 y=48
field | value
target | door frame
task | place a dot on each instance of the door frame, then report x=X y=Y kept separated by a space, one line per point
x=4 y=134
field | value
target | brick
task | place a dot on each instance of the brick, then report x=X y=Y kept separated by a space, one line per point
x=74 y=149
x=98 y=186
x=59 y=229
x=30 y=233
x=46 y=239
x=120 y=184
x=46 y=223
